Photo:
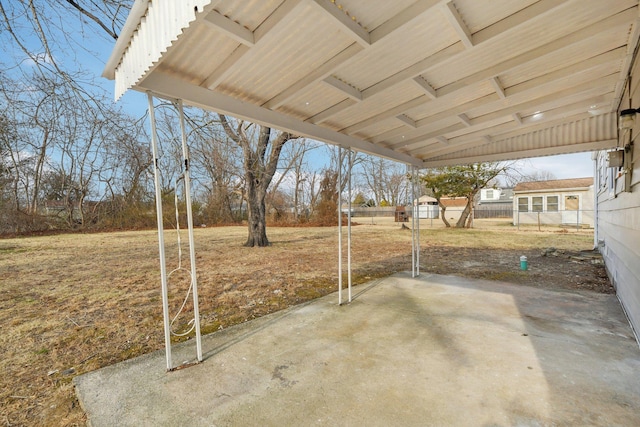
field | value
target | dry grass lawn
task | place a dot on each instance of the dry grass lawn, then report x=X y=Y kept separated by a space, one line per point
x=74 y=303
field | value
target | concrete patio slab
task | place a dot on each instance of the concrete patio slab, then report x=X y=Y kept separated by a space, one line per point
x=432 y=350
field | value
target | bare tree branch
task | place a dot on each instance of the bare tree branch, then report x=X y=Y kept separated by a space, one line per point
x=94 y=18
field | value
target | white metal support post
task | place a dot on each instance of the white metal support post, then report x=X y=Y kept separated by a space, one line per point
x=596 y=179
x=416 y=180
x=192 y=250
x=339 y=226
x=350 y=163
x=339 y=189
x=415 y=227
x=163 y=264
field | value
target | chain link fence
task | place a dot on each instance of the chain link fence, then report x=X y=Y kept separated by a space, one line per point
x=567 y=219
x=578 y=220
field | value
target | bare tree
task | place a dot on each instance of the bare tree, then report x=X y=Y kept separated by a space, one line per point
x=261 y=152
x=386 y=180
x=7 y=194
x=327 y=205
x=41 y=39
x=55 y=150
x=515 y=176
x=295 y=168
x=50 y=21
x=335 y=159
x=127 y=177
x=310 y=194
x=217 y=159
x=35 y=115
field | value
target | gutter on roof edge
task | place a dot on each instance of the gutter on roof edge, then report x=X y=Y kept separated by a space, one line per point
x=138 y=10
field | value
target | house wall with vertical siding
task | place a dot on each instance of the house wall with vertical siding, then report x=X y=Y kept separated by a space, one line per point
x=618 y=216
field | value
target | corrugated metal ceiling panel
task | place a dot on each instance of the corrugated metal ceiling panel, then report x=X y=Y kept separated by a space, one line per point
x=285 y=55
x=312 y=100
x=248 y=13
x=546 y=93
x=370 y=17
x=425 y=132
x=469 y=94
x=602 y=128
x=308 y=67
x=426 y=36
x=532 y=34
x=158 y=29
x=378 y=104
x=462 y=132
x=197 y=61
x=480 y=14
x=581 y=52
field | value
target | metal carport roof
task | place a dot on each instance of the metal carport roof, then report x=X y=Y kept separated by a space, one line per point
x=424 y=82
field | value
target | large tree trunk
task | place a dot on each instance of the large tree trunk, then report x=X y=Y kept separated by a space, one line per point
x=257 y=218
x=443 y=209
x=259 y=167
x=462 y=221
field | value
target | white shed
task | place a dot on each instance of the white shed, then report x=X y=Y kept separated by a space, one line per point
x=563 y=202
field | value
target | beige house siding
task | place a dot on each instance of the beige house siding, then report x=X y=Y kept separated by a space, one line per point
x=618 y=214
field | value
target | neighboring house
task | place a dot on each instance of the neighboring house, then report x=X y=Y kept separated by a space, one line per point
x=494 y=203
x=566 y=202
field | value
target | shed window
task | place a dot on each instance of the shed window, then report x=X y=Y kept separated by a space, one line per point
x=552 y=203
x=489 y=195
x=536 y=204
x=523 y=204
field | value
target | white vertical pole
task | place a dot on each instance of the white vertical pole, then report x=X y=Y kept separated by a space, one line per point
x=350 y=162
x=415 y=179
x=192 y=249
x=413 y=226
x=596 y=186
x=339 y=225
x=163 y=264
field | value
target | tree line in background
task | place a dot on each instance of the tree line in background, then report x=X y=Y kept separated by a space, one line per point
x=70 y=159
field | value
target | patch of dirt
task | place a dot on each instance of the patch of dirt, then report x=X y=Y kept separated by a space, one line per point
x=562 y=270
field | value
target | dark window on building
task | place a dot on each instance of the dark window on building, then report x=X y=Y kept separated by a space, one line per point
x=523 y=204
x=536 y=204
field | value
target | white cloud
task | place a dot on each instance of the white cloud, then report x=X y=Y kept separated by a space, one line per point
x=40 y=58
